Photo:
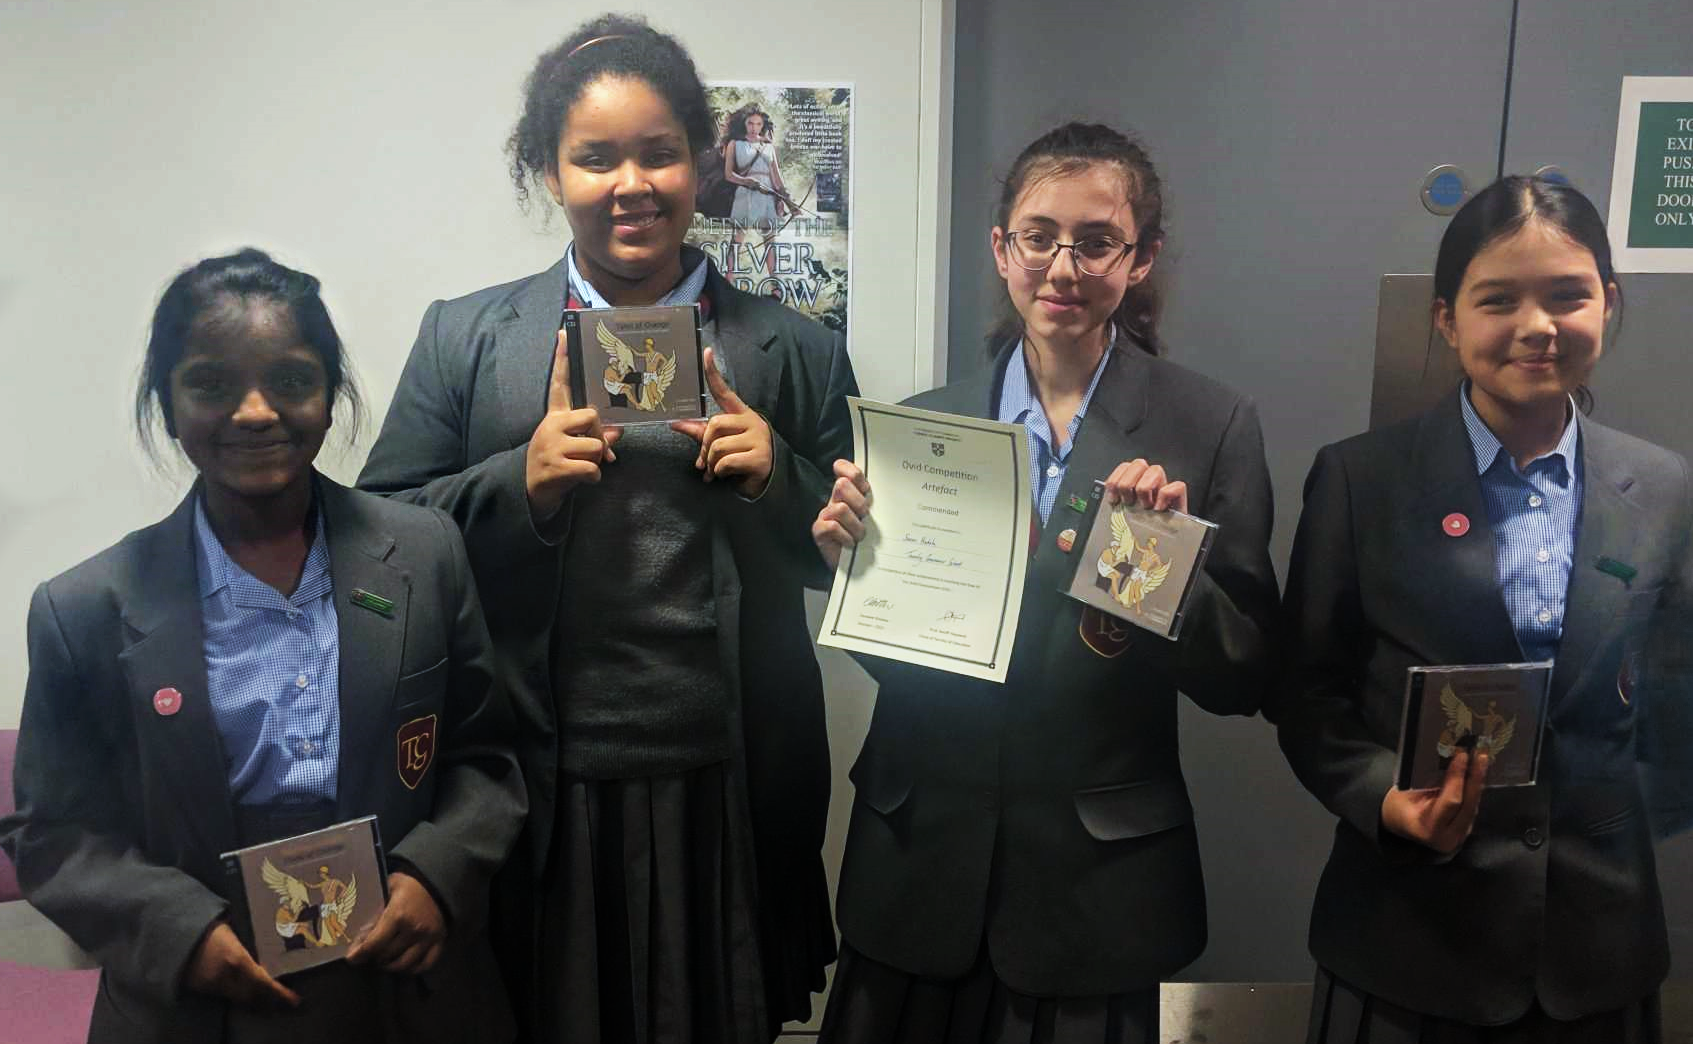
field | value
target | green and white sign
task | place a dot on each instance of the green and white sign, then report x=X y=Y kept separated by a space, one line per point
x=1651 y=221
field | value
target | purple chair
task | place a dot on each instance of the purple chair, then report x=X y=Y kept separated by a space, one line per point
x=38 y=1005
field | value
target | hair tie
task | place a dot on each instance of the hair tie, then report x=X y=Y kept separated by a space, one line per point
x=595 y=40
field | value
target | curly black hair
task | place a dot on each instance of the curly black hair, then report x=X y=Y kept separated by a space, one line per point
x=610 y=45
x=248 y=273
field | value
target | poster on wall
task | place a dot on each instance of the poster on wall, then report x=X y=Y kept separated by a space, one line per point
x=774 y=209
x=1651 y=221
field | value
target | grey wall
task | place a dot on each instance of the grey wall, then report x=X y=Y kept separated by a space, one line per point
x=1564 y=111
x=1293 y=138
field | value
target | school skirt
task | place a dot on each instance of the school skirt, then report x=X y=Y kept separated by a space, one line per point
x=872 y=1003
x=649 y=918
x=1343 y=1014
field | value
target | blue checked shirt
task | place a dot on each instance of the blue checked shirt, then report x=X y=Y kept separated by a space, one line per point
x=272 y=667
x=1019 y=405
x=686 y=292
x=1534 y=511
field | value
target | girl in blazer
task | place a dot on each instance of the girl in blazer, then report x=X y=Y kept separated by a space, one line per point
x=645 y=598
x=212 y=682
x=1501 y=526
x=1021 y=861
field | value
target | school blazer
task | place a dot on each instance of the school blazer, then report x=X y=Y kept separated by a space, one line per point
x=1049 y=814
x=455 y=437
x=122 y=811
x=1554 y=896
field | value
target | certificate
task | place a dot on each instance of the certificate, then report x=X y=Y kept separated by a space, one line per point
x=937 y=580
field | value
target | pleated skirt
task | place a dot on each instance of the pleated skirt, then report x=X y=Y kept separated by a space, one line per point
x=871 y=1003
x=648 y=919
x=1343 y=1014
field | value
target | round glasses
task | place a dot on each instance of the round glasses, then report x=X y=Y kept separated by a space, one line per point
x=1034 y=251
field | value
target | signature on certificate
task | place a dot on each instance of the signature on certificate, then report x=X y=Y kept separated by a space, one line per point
x=878 y=603
x=939 y=560
x=953 y=614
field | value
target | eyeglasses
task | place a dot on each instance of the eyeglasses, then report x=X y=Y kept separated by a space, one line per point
x=1035 y=251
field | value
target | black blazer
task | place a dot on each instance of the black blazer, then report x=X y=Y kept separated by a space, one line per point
x=1050 y=813
x=1554 y=895
x=122 y=812
x=455 y=437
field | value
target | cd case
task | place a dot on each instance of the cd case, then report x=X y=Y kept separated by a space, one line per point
x=1136 y=564
x=1497 y=707
x=301 y=901
x=637 y=365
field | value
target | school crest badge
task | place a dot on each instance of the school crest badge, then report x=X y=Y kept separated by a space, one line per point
x=1103 y=633
x=415 y=749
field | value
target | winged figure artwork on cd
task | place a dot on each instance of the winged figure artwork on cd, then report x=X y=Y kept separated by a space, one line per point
x=1130 y=570
x=636 y=378
x=303 y=923
x=1487 y=730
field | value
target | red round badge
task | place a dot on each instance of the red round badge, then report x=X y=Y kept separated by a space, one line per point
x=167 y=701
x=1455 y=525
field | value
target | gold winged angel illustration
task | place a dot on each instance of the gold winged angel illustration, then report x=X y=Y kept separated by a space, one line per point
x=1130 y=586
x=301 y=922
x=633 y=378
x=1488 y=731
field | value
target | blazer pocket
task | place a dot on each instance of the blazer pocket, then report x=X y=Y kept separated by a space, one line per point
x=421 y=686
x=1126 y=810
x=878 y=784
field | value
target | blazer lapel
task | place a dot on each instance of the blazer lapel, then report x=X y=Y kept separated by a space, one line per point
x=371 y=642
x=163 y=612
x=1595 y=600
x=743 y=344
x=1450 y=593
x=523 y=351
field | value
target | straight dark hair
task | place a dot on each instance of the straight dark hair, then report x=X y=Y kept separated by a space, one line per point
x=1070 y=149
x=248 y=274
x=1502 y=209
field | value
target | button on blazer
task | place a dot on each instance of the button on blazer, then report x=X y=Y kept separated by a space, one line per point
x=123 y=811
x=1049 y=815
x=1554 y=896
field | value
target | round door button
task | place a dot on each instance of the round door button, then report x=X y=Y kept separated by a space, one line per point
x=1533 y=838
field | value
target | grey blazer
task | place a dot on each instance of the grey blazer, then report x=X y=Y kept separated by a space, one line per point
x=1554 y=896
x=455 y=437
x=1049 y=815
x=122 y=812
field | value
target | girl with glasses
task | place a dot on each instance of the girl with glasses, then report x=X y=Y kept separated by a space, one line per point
x=1021 y=862
x=1501 y=526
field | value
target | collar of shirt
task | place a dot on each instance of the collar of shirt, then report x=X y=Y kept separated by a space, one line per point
x=1018 y=403
x=686 y=292
x=1488 y=448
x=218 y=570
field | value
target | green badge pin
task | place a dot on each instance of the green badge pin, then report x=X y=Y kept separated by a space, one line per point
x=1621 y=570
x=1076 y=504
x=374 y=602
